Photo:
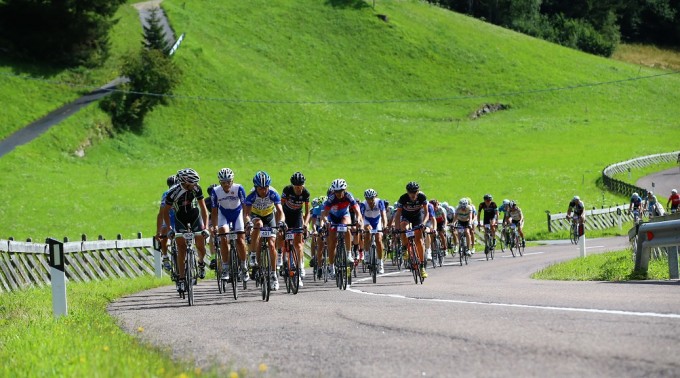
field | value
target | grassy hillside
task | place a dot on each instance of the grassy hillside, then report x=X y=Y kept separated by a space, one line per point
x=332 y=90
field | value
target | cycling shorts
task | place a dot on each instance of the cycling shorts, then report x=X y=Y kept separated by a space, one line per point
x=414 y=218
x=464 y=224
x=190 y=221
x=235 y=224
x=267 y=220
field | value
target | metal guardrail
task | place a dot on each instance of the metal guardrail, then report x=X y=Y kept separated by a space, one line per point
x=663 y=234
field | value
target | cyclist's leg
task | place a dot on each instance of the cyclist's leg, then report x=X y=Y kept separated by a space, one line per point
x=255 y=238
x=420 y=244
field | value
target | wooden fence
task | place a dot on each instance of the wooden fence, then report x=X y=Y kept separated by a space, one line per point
x=26 y=264
x=596 y=219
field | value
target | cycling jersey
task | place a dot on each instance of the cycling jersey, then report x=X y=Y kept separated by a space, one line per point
x=577 y=207
x=515 y=213
x=430 y=211
x=464 y=213
x=636 y=202
x=440 y=214
x=292 y=204
x=229 y=203
x=411 y=208
x=172 y=210
x=674 y=200
x=338 y=208
x=316 y=215
x=373 y=214
x=263 y=206
x=183 y=201
x=489 y=211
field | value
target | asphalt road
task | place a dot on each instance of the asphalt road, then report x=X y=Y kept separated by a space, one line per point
x=484 y=319
x=661 y=183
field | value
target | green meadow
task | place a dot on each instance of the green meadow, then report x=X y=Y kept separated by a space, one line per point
x=330 y=89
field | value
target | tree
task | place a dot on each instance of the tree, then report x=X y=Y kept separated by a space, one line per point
x=62 y=32
x=154 y=35
x=152 y=76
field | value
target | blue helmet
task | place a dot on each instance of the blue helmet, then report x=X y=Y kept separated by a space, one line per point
x=261 y=179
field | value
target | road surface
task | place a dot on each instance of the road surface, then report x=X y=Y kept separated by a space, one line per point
x=484 y=319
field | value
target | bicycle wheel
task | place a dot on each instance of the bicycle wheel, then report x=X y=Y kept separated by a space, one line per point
x=520 y=245
x=295 y=279
x=434 y=248
x=233 y=269
x=413 y=261
x=374 y=263
x=218 y=268
x=574 y=233
x=188 y=271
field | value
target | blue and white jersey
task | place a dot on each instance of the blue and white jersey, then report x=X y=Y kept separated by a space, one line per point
x=229 y=203
x=172 y=210
x=316 y=214
x=372 y=214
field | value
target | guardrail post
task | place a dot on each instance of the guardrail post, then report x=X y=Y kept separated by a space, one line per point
x=58 y=278
x=673 y=263
x=582 y=245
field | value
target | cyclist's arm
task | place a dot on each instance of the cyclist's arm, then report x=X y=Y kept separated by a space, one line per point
x=397 y=217
x=280 y=217
x=307 y=216
x=246 y=213
x=214 y=217
x=165 y=209
x=357 y=211
x=159 y=220
x=383 y=219
x=204 y=212
x=427 y=213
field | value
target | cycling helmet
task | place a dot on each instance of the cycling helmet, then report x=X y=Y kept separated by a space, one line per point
x=370 y=193
x=674 y=191
x=322 y=200
x=506 y=201
x=434 y=202
x=463 y=202
x=261 y=179
x=297 y=179
x=650 y=194
x=513 y=204
x=445 y=204
x=315 y=202
x=338 y=184
x=577 y=198
x=488 y=197
x=412 y=186
x=225 y=174
x=188 y=176
x=211 y=189
x=172 y=180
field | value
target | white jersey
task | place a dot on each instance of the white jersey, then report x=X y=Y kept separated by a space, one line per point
x=229 y=203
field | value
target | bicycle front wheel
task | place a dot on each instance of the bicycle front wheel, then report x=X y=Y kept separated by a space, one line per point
x=233 y=267
x=218 y=269
x=189 y=276
x=374 y=263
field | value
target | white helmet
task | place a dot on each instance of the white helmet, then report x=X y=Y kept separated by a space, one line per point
x=225 y=174
x=338 y=184
x=674 y=191
x=577 y=198
x=463 y=202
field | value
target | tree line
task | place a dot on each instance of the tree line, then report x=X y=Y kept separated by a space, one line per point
x=594 y=26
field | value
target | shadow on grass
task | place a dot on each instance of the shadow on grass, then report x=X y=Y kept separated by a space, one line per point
x=20 y=67
x=353 y=4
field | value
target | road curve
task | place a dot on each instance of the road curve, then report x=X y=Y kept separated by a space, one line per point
x=661 y=183
x=484 y=319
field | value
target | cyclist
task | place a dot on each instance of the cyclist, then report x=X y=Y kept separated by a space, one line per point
x=375 y=218
x=577 y=207
x=184 y=198
x=653 y=206
x=227 y=215
x=412 y=211
x=673 y=201
x=636 y=204
x=162 y=228
x=336 y=210
x=490 y=210
x=262 y=208
x=441 y=216
x=517 y=217
x=473 y=224
x=431 y=225
x=294 y=198
x=208 y=205
x=463 y=217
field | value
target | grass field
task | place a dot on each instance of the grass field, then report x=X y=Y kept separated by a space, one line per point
x=334 y=91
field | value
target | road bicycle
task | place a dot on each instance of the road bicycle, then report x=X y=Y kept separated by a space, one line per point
x=505 y=237
x=190 y=266
x=221 y=286
x=373 y=256
x=463 y=252
x=397 y=257
x=291 y=266
x=489 y=242
x=516 y=246
x=343 y=273
x=236 y=272
x=575 y=230
x=263 y=273
x=414 y=263
x=450 y=239
x=321 y=267
x=434 y=247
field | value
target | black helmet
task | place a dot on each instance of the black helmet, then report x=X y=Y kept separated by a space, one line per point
x=412 y=186
x=172 y=180
x=297 y=178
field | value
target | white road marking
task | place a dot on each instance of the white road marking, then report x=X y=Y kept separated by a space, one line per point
x=550 y=308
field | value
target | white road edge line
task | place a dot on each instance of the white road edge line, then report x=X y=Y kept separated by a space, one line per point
x=551 y=308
